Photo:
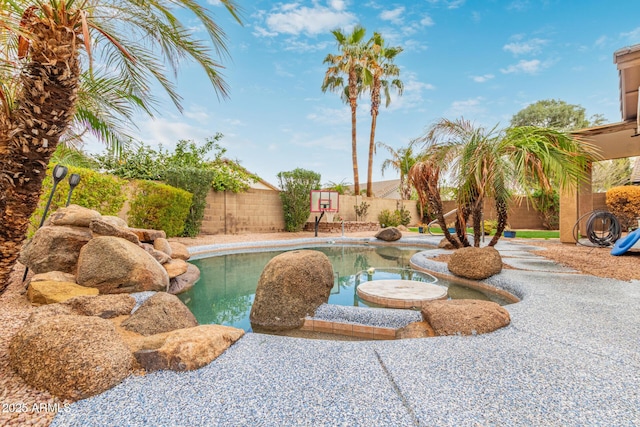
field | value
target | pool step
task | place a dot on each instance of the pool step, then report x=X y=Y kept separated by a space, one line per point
x=349 y=329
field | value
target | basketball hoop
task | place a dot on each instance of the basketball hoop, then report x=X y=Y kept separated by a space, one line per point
x=324 y=202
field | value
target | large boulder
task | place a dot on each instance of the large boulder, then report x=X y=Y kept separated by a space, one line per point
x=179 y=251
x=475 y=263
x=105 y=306
x=160 y=313
x=99 y=227
x=115 y=265
x=185 y=281
x=291 y=286
x=73 y=215
x=73 y=357
x=55 y=249
x=175 y=267
x=162 y=245
x=51 y=292
x=464 y=317
x=53 y=276
x=148 y=235
x=185 y=349
x=389 y=234
x=115 y=221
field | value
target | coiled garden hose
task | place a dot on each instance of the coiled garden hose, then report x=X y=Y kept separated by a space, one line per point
x=603 y=228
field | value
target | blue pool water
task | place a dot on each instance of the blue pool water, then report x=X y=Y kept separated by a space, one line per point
x=224 y=294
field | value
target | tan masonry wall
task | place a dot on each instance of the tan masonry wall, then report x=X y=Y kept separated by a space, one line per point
x=260 y=211
x=256 y=211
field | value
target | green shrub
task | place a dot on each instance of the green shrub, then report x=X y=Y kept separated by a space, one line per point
x=548 y=206
x=296 y=190
x=198 y=182
x=624 y=203
x=160 y=207
x=401 y=216
x=102 y=192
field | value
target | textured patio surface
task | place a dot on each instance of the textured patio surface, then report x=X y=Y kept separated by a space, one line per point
x=571 y=357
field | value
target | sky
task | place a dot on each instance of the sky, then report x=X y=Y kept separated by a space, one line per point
x=483 y=60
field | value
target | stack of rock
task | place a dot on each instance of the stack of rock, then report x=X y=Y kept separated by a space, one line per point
x=80 y=252
x=81 y=342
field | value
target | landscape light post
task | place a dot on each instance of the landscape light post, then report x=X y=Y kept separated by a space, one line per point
x=74 y=180
x=59 y=172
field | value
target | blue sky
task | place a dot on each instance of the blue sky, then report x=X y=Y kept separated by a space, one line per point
x=481 y=60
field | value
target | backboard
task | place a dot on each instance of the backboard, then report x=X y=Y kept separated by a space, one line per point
x=324 y=201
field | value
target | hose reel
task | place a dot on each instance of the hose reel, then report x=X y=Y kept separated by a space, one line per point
x=603 y=228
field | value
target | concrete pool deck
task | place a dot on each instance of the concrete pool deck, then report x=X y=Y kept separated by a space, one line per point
x=570 y=357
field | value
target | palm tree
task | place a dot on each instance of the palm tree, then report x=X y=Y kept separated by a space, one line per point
x=489 y=163
x=44 y=91
x=348 y=62
x=380 y=65
x=401 y=160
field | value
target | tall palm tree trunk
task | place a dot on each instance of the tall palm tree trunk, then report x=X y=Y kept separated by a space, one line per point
x=354 y=152
x=372 y=148
x=503 y=215
x=30 y=133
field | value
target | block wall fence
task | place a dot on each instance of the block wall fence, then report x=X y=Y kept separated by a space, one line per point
x=260 y=211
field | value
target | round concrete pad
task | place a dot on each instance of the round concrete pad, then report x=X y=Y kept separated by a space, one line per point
x=400 y=293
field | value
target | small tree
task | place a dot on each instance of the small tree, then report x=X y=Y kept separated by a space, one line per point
x=296 y=187
x=361 y=210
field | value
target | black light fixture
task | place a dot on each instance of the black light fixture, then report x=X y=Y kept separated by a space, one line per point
x=74 y=180
x=59 y=172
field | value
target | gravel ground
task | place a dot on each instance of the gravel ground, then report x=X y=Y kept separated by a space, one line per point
x=570 y=357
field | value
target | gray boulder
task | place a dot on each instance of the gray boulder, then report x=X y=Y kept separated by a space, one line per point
x=475 y=263
x=55 y=249
x=115 y=265
x=291 y=286
x=389 y=234
x=115 y=221
x=184 y=282
x=160 y=313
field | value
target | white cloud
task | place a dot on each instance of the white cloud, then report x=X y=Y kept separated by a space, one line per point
x=303 y=46
x=261 y=32
x=427 y=21
x=527 y=67
x=518 y=5
x=483 y=78
x=525 y=47
x=601 y=41
x=467 y=107
x=337 y=4
x=632 y=35
x=331 y=116
x=449 y=4
x=414 y=45
x=295 y=19
x=282 y=71
x=412 y=97
x=395 y=15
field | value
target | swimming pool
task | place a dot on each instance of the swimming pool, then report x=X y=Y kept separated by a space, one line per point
x=226 y=289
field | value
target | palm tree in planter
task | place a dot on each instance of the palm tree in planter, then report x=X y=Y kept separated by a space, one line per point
x=45 y=94
x=490 y=163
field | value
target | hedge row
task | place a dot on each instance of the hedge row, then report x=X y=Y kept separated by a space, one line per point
x=153 y=205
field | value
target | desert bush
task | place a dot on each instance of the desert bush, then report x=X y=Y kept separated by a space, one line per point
x=401 y=216
x=160 y=207
x=624 y=203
